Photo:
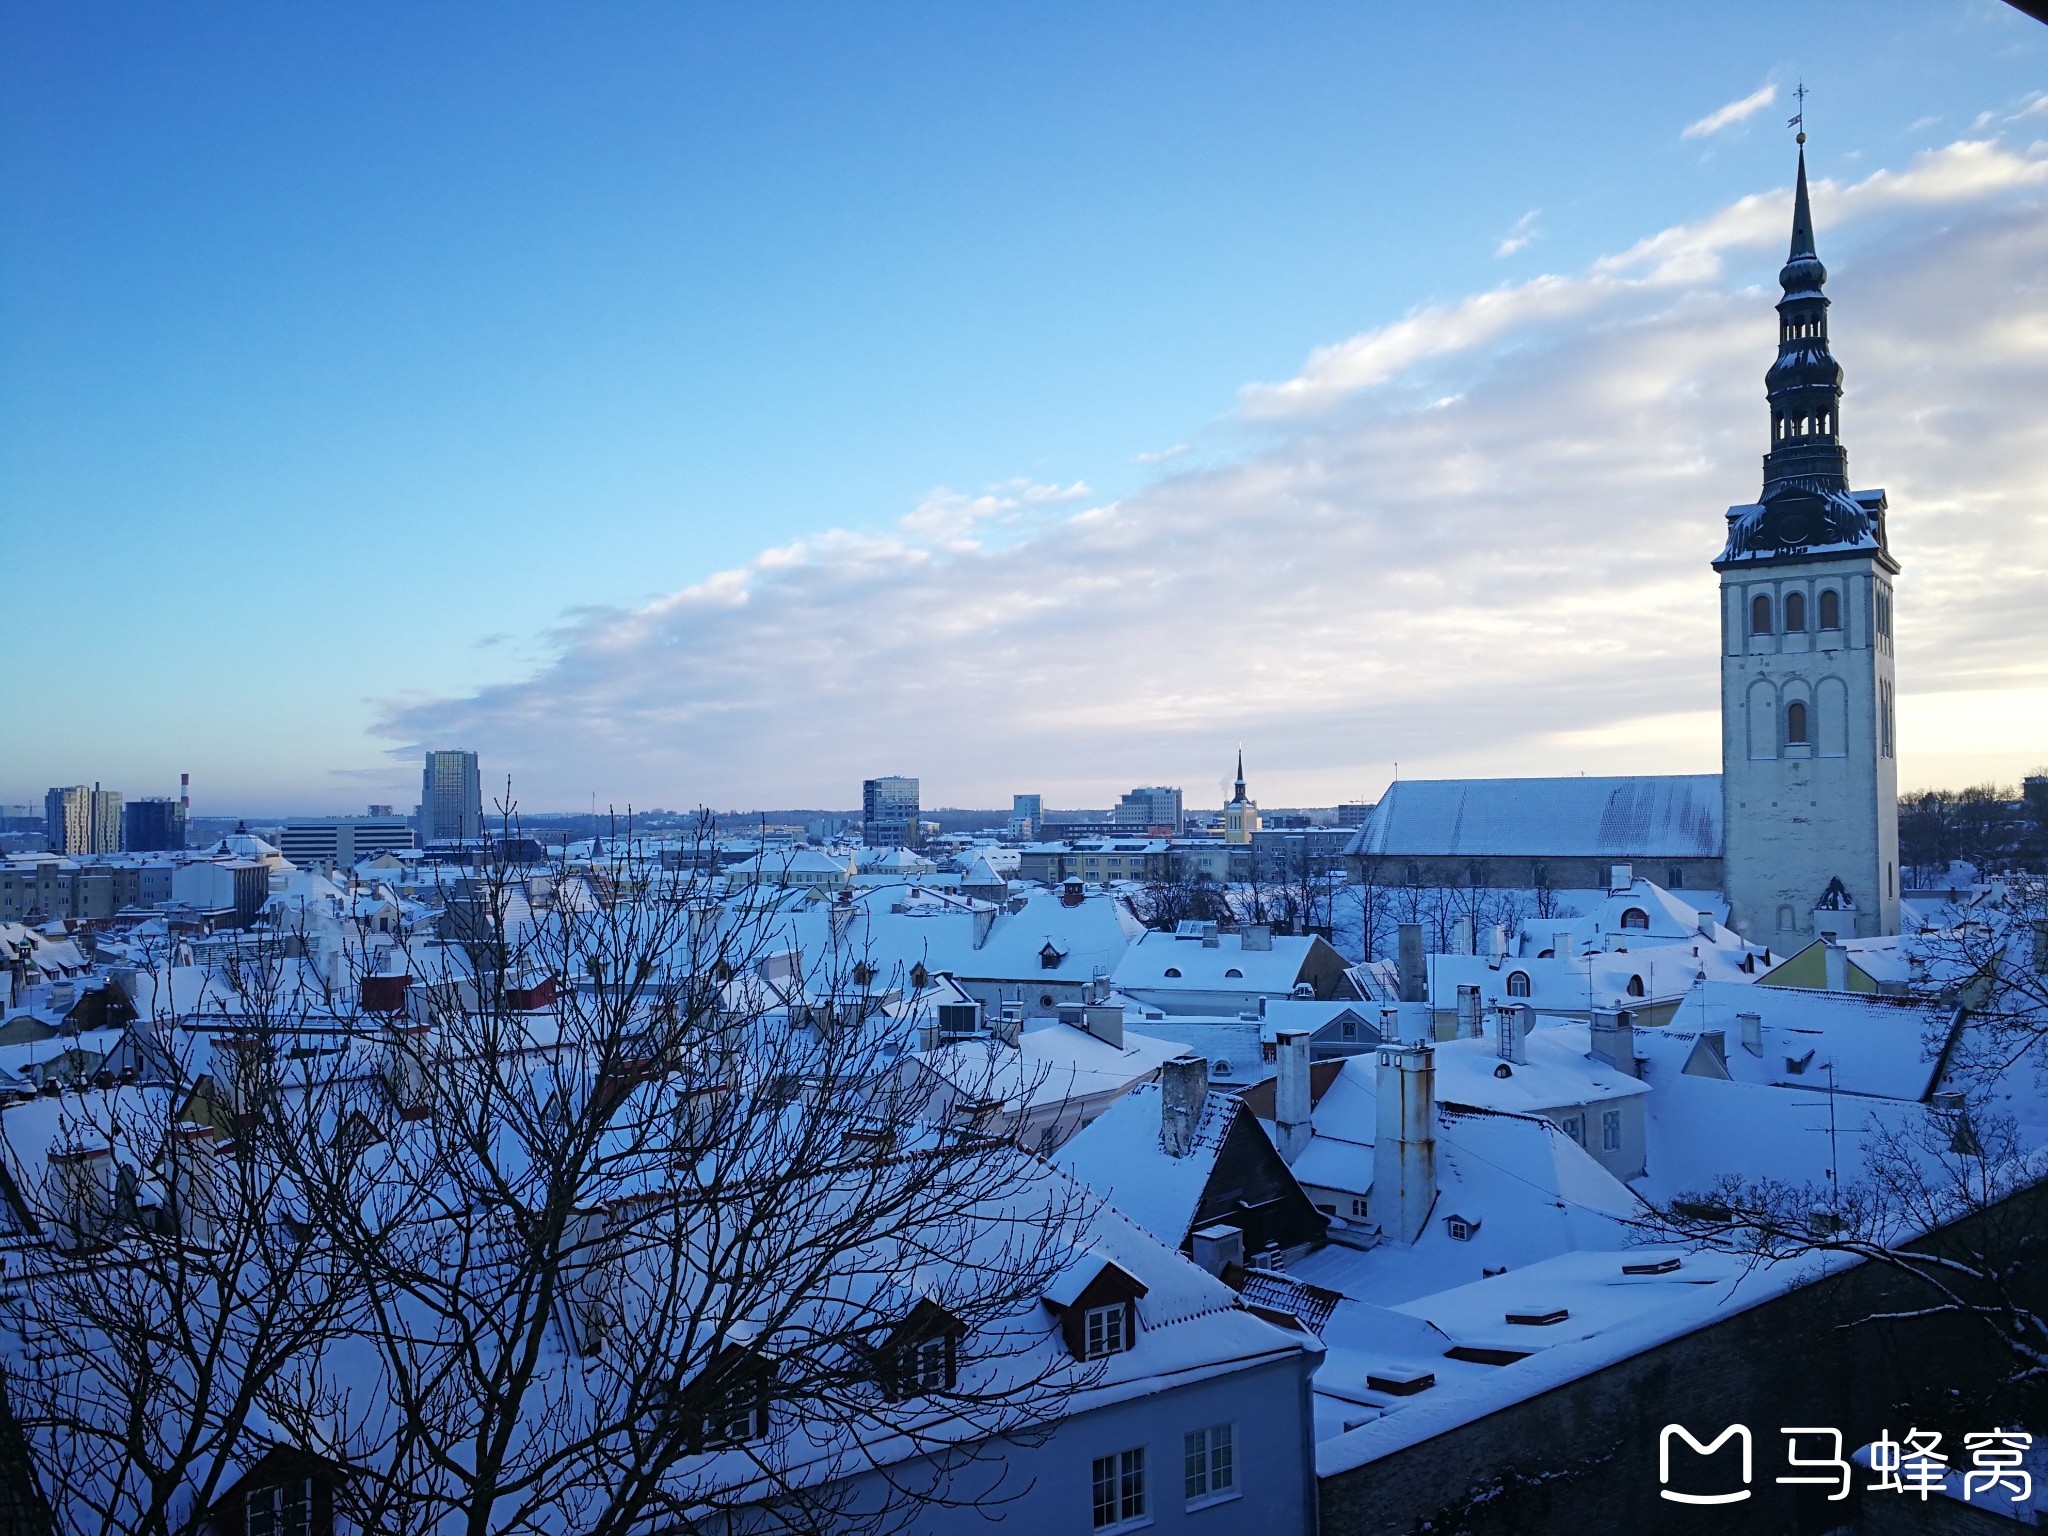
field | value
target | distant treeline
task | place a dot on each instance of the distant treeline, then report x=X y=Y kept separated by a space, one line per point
x=1992 y=826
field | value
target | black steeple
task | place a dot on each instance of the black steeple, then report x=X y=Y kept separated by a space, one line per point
x=1805 y=384
x=1240 y=773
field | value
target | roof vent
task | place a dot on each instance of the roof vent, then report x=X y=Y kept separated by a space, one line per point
x=1539 y=1319
x=1401 y=1386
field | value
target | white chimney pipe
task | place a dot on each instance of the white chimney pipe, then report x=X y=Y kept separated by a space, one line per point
x=1404 y=1141
x=1291 y=1096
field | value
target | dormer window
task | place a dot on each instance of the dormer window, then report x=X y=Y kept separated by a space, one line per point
x=285 y=1510
x=919 y=976
x=863 y=973
x=1233 y=974
x=1518 y=983
x=1635 y=917
x=1635 y=986
x=1173 y=972
x=1106 y=1330
x=1460 y=1228
x=1049 y=958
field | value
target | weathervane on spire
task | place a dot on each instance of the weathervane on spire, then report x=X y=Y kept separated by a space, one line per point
x=1798 y=119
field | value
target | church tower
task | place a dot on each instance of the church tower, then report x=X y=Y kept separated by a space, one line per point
x=1809 y=775
x=1241 y=815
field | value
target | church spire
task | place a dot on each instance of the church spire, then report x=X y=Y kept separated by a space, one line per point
x=1804 y=385
x=1240 y=773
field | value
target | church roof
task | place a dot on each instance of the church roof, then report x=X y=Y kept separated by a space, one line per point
x=1674 y=816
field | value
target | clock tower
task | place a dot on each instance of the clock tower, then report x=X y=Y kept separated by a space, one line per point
x=1809 y=772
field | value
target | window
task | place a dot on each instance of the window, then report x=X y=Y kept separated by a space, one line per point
x=1413 y=874
x=1119 y=1488
x=1884 y=611
x=1830 y=608
x=1233 y=974
x=741 y=1415
x=1795 y=612
x=1173 y=971
x=1210 y=1457
x=1105 y=1329
x=282 y=1511
x=1358 y=1207
x=1635 y=986
x=1610 y=1130
x=919 y=976
x=1785 y=920
x=925 y=1365
x=1459 y=1228
x=1795 y=724
x=1884 y=718
x=1760 y=614
x=1674 y=877
x=1575 y=1127
x=1635 y=917
x=1518 y=983
x=1045 y=999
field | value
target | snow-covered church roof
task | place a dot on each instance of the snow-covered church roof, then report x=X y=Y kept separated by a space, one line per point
x=1644 y=816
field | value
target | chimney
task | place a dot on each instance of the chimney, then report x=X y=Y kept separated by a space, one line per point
x=1218 y=1246
x=1614 y=1039
x=984 y=924
x=1291 y=1093
x=1404 y=1142
x=1183 y=1087
x=1752 y=1032
x=1620 y=878
x=1468 y=1013
x=405 y=1068
x=1461 y=936
x=1414 y=976
x=1496 y=944
x=1512 y=1022
x=1255 y=938
x=1105 y=1021
x=1072 y=893
x=1837 y=959
x=1706 y=925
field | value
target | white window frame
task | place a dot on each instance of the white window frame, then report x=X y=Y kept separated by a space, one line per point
x=1209 y=1465
x=1575 y=1127
x=1358 y=1207
x=1116 y=1489
x=1105 y=1330
x=1610 y=1130
x=283 y=1510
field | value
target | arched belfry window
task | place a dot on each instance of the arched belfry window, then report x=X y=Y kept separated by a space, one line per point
x=1795 y=724
x=1760 y=614
x=1795 y=612
x=1830 y=609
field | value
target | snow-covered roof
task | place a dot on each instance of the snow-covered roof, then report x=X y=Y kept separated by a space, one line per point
x=1675 y=816
x=1167 y=961
x=1120 y=1156
x=1560 y=1070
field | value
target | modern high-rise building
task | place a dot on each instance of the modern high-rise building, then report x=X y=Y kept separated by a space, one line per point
x=1158 y=806
x=888 y=812
x=339 y=842
x=83 y=819
x=451 y=799
x=153 y=824
x=1809 y=765
x=1027 y=814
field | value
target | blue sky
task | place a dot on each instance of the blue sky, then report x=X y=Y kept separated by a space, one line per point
x=365 y=360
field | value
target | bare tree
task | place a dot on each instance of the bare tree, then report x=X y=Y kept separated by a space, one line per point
x=582 y=1226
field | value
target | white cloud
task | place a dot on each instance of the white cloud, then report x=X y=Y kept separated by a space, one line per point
x=1523 y=231
x=1734 y=112
x=1474 y=540
x=2035 y=104
x=1161 y=456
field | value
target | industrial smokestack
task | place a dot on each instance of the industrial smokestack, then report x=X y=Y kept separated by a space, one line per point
x=185 y=793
